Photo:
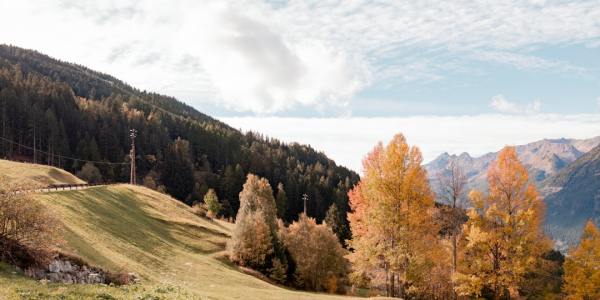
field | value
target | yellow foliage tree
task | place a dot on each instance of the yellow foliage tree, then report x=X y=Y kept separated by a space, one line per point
x=392 y=225
x=582 y=268
x=254 y=242
x=503 y=235
x=318 y=255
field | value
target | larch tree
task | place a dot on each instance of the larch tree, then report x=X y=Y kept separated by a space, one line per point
x=255 y=242
x=503 y=233
x=582 y=267
x=392 y=225
x=453 y=185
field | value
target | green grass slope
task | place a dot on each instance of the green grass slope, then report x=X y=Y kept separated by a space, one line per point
x=31 y=174
x=134 y=229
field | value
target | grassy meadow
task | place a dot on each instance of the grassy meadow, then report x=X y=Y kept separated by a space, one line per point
x=32 y=174
x=124 y=228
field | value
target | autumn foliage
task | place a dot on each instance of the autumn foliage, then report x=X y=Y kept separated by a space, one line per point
x=395 y=239
x=28 y=231
x=318 y=255
x=503 y=234
x=582 y=268
x=255 y=242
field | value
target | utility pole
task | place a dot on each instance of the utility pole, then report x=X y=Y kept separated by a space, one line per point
x=305 y=199
x=132 y=135
x=34 y=158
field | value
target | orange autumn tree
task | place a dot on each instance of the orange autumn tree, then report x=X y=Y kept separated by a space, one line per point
x=503 y=234
x=393 y=231
x=582 y=267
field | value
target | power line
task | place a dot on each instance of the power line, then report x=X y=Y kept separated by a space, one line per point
x=62 y=156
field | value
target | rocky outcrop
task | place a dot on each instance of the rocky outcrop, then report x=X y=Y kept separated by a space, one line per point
x=68 y=272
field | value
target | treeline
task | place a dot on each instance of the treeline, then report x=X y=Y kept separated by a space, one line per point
x=66 y=111
x=304 y=254
x=477 y=245
x=405 y=245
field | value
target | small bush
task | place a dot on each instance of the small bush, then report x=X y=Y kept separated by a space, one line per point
x=120 y=278
x=90 y=173
x=28 y=231
x=318 y=255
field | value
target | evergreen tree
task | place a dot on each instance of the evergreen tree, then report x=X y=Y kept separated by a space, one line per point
x=281 y=201
x=335 y=221
x=211 y=201
x=178 y=172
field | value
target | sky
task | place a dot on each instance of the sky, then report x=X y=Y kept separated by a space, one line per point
x=453 y=76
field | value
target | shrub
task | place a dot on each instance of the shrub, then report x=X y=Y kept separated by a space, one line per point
x=251 y=243
x=90 y=173
x=27 y=229
x=318 y=255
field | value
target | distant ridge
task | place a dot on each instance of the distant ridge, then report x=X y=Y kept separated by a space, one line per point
x=572 y=197
x=542 y=158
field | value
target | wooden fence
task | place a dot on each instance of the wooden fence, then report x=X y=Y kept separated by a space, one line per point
x=59 y=187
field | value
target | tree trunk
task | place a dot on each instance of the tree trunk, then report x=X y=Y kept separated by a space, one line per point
x=454 y=263
x=392 y=285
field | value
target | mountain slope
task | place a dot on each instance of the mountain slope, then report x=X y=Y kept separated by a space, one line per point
x=30 y=174
x=134 y=229
x=177 y=254
x=66 y=110
x=572 y=197
x=542 y=158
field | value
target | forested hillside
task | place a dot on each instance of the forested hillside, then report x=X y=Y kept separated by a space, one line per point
x=67 y=111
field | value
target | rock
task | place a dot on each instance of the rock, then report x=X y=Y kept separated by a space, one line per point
x=54 y=266
x=133 y=277
x=95 y=278
x=53 y=277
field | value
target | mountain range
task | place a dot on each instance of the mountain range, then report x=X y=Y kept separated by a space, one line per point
x=572 y=197
x=566 y=171
x=542 y=159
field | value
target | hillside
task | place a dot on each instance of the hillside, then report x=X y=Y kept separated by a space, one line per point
x=53 y=111
x=542 y=158
x=573 y=197
x=32 y=174
x=134 y=229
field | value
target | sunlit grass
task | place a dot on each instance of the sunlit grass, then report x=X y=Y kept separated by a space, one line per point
x=31 y=174
x=133 y=229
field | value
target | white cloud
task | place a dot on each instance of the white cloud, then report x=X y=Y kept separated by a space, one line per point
x=248 y=60
x=348 y=140
x=501 y=104
x=266 y=57
x=527 y=62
